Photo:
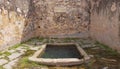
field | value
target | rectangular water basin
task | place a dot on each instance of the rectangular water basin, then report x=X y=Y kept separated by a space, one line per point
x=60 y=54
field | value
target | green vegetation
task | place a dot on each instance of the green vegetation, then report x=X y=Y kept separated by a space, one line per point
x=1 y=67
x=25 y=63
x=108 y=50
x=25 y=47
x=1 y=53
x=28 y=53
x=5 y=53
x=100 y=52
x=103 y=54
x=40 y=39
x=15 y=46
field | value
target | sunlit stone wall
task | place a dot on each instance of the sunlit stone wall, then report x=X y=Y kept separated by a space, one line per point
x=12 y=18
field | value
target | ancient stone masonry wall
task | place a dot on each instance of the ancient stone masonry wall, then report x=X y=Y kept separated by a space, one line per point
x=105 y=22
x=58 y=17
x=12 y=18
x=22 y=19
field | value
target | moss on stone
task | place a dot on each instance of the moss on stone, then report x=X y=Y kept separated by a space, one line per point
x=25 y=63
x=6 y=53
x=15 y=46
x=1 y=67
x=108 y=50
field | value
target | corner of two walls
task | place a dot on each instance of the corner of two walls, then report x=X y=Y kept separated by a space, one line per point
x=21 y=20
x=105 y=22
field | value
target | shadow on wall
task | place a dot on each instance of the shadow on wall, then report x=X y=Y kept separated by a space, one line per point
x=30 y=21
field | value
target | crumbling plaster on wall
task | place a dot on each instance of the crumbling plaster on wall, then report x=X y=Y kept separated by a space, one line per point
x=59 y=17
x=105 y=23
x=12 y=18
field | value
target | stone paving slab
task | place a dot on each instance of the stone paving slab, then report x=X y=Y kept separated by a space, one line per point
x=3 y=61
x=2 y=56
x=11 y=64
x=7 y=66
x=34 y=48
x=15 y=55
x=21 y=49
x=11 y=51
x=87 y=46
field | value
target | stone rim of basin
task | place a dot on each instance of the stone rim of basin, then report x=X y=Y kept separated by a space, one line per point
x=60 y=61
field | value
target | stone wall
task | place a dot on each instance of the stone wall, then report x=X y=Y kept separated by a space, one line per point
x=105 y=22
x=12 y=18
x=58 y=17
x=23 y=19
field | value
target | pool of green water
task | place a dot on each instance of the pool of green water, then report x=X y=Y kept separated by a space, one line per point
x=61 y=52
